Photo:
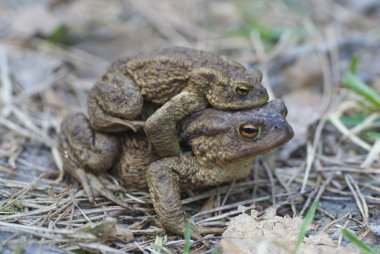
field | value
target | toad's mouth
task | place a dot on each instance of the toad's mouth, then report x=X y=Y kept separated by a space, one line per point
x=244 y=104
x=282 y=138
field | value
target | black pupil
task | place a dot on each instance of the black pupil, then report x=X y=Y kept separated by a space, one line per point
x=242 y=90
x=249 y=130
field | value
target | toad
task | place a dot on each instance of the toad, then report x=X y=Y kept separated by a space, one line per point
x=219 y=146
x=181 y=81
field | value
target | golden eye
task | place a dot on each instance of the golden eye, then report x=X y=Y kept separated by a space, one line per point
x=241 y=89
x=249 y=131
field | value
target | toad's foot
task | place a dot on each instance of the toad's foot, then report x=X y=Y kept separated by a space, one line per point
x=94 y=186
x=102 y=121
x=196 y=231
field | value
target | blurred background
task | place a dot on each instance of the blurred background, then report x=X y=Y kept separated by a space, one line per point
x=278 y=36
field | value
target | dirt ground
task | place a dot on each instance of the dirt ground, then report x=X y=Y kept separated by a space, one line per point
x=53 y=51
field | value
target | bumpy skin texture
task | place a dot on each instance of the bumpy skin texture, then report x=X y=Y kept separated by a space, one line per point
x=182 y=80
x=220 y=147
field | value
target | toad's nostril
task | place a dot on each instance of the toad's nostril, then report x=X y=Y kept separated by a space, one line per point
x=262 y=92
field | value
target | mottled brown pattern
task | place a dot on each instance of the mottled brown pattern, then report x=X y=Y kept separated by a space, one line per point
x=216 y=153
x=134 y=159
x=175 y=78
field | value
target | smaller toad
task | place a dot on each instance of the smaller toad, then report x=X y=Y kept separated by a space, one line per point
x=181 y=81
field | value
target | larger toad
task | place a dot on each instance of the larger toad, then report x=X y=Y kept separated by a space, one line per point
x=182 y=80
x=221 y=147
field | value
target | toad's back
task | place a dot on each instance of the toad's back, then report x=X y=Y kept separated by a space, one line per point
x=163 y=74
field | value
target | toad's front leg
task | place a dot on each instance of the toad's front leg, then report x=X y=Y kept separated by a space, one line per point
x=164 y=177
x=161 y=126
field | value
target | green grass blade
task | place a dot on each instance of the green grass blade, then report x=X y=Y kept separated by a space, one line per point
x=353 y=119
x=186 y=246
x=57 y=36
x=362 y=246
x=354 y=64
x=372 y=134
x=215 y=251
x=305 y=225
x=351 y=81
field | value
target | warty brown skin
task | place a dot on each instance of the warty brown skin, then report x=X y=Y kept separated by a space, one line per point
x=181 y=81
x=220 y=147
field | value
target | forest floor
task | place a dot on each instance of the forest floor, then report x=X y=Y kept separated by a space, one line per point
x=321 y=57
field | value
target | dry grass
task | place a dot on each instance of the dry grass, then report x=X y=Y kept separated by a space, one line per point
x=42 y=81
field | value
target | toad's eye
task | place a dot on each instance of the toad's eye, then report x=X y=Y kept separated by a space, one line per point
x=249 y=130
x=241 y=89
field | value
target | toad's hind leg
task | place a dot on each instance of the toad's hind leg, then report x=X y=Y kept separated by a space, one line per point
x=86 y=154
x=113 y=102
